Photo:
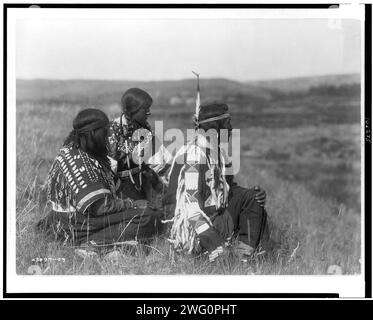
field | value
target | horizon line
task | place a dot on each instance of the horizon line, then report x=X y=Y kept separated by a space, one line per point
x=186 y=79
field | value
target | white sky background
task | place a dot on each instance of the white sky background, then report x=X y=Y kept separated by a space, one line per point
x=238 y=49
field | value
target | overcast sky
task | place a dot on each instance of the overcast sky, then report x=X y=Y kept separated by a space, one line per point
x=238 y=49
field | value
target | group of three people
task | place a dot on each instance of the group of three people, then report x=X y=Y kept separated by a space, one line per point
x=99 y=194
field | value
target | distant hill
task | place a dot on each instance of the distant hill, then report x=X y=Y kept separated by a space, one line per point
x=107 y=91
x=182 y=92
x=305 y=83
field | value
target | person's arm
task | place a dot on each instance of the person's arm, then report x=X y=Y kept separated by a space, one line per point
x=109 y=205
x=260 y=194
x=161 y=160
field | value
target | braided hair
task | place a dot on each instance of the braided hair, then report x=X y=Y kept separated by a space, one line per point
x=132 y=101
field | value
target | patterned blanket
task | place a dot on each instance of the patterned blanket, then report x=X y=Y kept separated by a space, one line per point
x=76 y=180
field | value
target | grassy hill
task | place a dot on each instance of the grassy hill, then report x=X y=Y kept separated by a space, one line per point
x=91 y=90
x=305 y=83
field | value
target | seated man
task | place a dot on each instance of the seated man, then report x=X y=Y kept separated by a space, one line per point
x=209 y=207
x=82 y=191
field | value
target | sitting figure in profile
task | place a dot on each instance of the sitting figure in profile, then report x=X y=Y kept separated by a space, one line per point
x=145 y=179
x=82 y=191
x=210 y=209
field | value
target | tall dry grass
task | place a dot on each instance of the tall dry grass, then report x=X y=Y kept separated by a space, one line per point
x=310 y=233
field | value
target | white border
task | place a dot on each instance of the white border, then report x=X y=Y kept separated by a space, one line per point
x=346 y=286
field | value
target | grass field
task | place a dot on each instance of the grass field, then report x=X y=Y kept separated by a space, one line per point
x=310 y=170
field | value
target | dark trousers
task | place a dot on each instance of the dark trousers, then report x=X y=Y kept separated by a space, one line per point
x=249 y=218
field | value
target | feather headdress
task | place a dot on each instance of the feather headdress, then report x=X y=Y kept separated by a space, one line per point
x=198 y=99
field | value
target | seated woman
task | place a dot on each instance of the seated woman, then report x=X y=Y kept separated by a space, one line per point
x=82 y=191
x=140 y=180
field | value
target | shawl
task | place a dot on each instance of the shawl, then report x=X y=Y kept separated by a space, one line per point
x=76 y=180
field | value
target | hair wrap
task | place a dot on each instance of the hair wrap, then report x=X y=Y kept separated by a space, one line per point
x=91 y=126
x=222 y=116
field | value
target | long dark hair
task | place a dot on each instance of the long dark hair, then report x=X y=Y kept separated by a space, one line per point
x=89 y=134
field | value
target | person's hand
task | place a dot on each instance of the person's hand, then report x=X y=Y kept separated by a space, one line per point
x=129 y=204
x=260 y=195
x=140 y=204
